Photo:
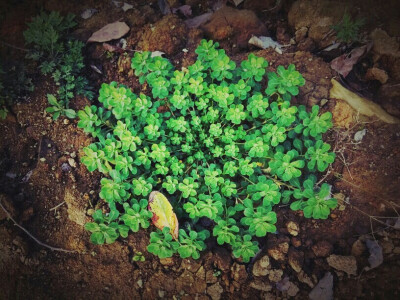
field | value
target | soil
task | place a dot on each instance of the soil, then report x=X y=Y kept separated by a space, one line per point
x=46 y=190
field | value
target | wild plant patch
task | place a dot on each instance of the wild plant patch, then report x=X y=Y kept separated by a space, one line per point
x=224 y=151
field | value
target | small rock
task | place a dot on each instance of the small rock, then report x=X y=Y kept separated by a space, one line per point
x=169 y=261
x=301 y=34
x=359 y=135
x=190 y=265
x=72 y=162
x=261 y=266
x=65 y=167
x=279 y=251
x=347 y=264
x=293 y=289
x=293 y=228
x=140 y=283
x=296 y=259
x=215 y=291
x=304 y=278
x=239 y=273
x=210 y=278
x=324 y=289
x=358 y=248
x=377 y=74
x=275 y=275
x=261 y=285
x=11 y=175
x=376 y=256
x=322 y=249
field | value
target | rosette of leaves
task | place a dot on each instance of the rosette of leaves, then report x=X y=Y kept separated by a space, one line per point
x=315 y=202
x=207 y=137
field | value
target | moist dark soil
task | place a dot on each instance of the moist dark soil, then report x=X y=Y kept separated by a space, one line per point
x=47 y=190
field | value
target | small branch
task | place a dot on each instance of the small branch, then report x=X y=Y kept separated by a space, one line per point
x=14 y=47
x=57 y=206
x=30 y=235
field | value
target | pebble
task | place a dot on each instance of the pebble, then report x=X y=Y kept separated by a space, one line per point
x=72 y=162
x=261 y=266
x=215 y=291
x=296 y=260
x=347 y=264
x=293 y=228
x=275 y=275
x=324 y=289
x=279 y=251
x=322 y=249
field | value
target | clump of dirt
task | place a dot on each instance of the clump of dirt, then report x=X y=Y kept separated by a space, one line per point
x=233 y=24
x=167 y=35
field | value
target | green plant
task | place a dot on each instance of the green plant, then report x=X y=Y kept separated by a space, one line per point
x=215 y=143
x=347 y=30
x=59 y=55
x=57 y=108
x=138 y=257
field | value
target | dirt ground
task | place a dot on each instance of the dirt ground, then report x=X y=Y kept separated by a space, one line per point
x=47 y=191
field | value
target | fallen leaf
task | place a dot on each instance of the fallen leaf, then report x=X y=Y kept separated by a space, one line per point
x=199 y=20
x=88 y=13
x=156 y=53
x=185 y=10
x=362 y=105
x=109 y=32
x=344 y=63
x=163 y=214
x=375 y=258
x=265 y=42
x=324 y=289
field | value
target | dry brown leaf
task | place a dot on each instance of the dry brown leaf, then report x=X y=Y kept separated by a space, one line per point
x=362 y=105
x=344 y=63
x=109 y=32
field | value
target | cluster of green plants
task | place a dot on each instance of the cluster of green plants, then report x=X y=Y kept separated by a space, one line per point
x=347 y=30
x=60 y=56
x=223 y=150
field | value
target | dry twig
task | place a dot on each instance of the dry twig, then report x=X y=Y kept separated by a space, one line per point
x=31 y=236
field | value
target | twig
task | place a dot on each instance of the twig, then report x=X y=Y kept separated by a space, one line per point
x=30 y=235
x=15 y=47
x=57 y=206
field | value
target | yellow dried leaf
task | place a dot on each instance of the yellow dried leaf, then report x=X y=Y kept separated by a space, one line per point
x=163 y=213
